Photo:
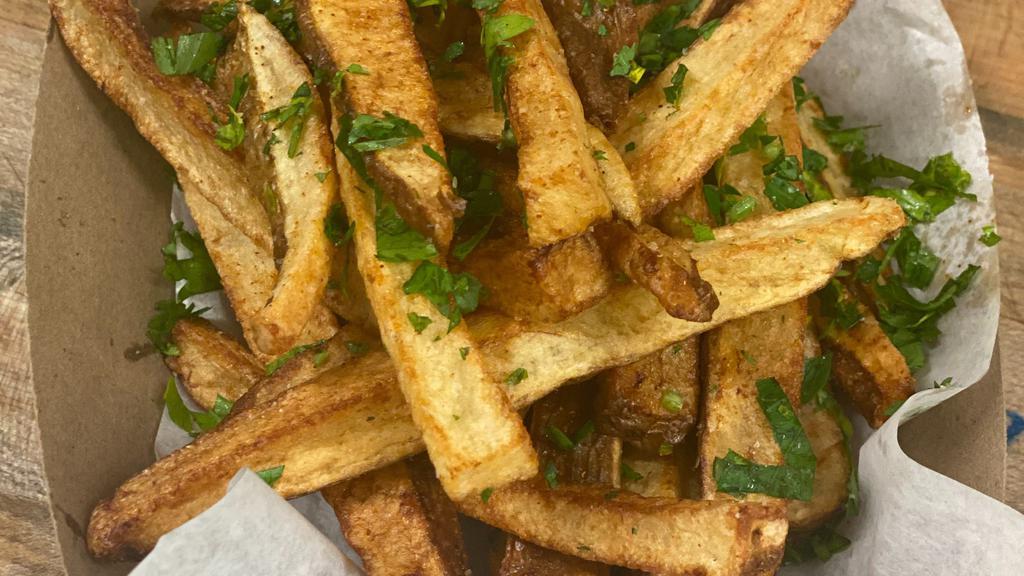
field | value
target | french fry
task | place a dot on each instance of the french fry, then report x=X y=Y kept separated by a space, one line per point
x=556 y=162
x=521 y=558
x=830 y=475
x=652 y=476
x=465 y=106
x=629 y=530
x=399 y=521
x=659 y=264
x=653 y=400
x=834 y=174
x=171 y=112
x=275 y=72
x=546 y=284
x=453 y=400
x=671 y=148
x=355 y=418
x=346 y=294
x=378 y=35
x=866 y=365
x=210 y=363
x=591 y=42
x=618 y=182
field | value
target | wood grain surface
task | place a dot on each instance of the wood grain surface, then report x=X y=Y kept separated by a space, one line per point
x=993 y=36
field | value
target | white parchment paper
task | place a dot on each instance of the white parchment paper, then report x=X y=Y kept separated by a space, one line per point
x=897 y=64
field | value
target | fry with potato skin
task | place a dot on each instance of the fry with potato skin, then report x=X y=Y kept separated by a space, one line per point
x=657 y=263
x=671 y=148
x=275 y=72
x=378 y=35
x=556 y=163
x=399 y=521
x=210 y=363
x=629 y=530
x=357 y=420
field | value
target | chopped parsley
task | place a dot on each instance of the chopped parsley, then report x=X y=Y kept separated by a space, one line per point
x=276 y=364
x=559 y=439
x=516 y=376
x=231 y=132
x=551 y=474
x=435 y=156
x=337 y=229
x=674 y=91
x=356 y=348
x=497 y=32
x=665 y=449
x=452 y=294
x=477 y=187
x=701 y=232
x=419 y=323
x=159 y=328
x=193 y=54
x=190 y=421
x=629 y=474
x=196 y=272
x=672 y=401
x=219 y=15
x=599 y=154
x=583 y=432
x=281 y=14
x=463 y=352
x=292 y=115
x=839 y=306
x=397 y=241
x=271 y=475
x=320 y=358
x=727 y=205
x=989 y=237
x=932 y=190
x=485 y=494
x=794 y=479
x=624 y=64
x=370 y=133
x=662 y=40
x=454 y=50
x=801 y=92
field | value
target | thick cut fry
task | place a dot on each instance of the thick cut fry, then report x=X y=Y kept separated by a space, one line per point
x=545 y=284
x=474 y=438
x=834 y=175
x=830 y=475
x=172 y=112
x=618 y=182
x=521 y=558
x=346 y=294
x=650 y=475
x=378 y=35
x=653 y=400
x=210 y=363
x=557 y=168
x=275 y=72
x=632 y=531
x=660 y=265
x=355 y=418
x=400 y=522
x=591 y=41
x=759 y=46
x=465 y=106
x=866 y=365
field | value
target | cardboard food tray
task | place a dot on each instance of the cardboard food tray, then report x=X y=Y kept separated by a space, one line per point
x=98 y=202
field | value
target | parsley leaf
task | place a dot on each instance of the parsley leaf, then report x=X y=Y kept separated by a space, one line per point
x=219 y=15
x=516 y=376
x=231 y=132
x=397 y=241
x=271 y=475
x=337 y=229
x=281 y=14
x=485 y=494
x=551 y=474
x=801 y=92
x=821 y=544
x=932 y=190
x=672 y=401
x=734 y=474
x=727 y=205
x=419 y=323
x=188 y=54
x=454 y=50
x=452 y=294
x=276 y=364
x=624 y=64
x=701 y=232
x=483 y=201
x=629 y=474
x=370 y=133
x=839 y=306
x=783 y=194
x=496 y=32
x=168 y=312
x=294 y=115
x=197 y=271
x=674 y=91
x=989 y=237
x=662 y=40
x=559 y=438
x=192 y=422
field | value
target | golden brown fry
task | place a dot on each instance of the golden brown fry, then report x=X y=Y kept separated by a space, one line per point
x=866 y=365
x=557 y=168
x=830 y=475
x=660 y=265
x=346 y=294
x=275 y=72
x=629 y=530
x=617 y=181
x=210 y=363
x=637 y=401
x=453 y=399
x=759 y=46
x=400 y=521
x=355 y=418
x=378 y=35
x=650 y=475
x=465 y=106
x=172 y=112
x=545 y=284
x=591 y=41
x=834 y=175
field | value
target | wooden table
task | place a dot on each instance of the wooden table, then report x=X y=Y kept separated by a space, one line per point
x=993 y=34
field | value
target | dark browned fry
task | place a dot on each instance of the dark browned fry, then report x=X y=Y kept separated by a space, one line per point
x=653 y=400
x=400 y=522
x=521 y=558
x=660 y=265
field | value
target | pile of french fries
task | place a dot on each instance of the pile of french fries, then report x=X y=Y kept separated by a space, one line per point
x=430 y=215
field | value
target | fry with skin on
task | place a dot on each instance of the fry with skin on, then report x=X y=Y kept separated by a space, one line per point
x=556 y=162
x=357 y=420
x=275 y=71
x=210 y=363
x=629 y=530
x=399 y=521
x=378 y=35
x=659 y=264
x=671 y=148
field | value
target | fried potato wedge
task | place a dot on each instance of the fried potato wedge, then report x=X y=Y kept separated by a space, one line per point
x=355 y=417
x=399 y=521
x=661 y=265
x=275 y=72
x=465 y=105
x=521 y=558
x=557 y=167
x=346 y=293
x=866 y=366
x=834 y=175
x=172 y=112
x=767 y=40
x=545 y=284
x=378 y=35
x=629 y=530
x=831 y=475
x=618 y=182
x=474 y=438
x=210 y=363
x=591 y=41
x=653 y=400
